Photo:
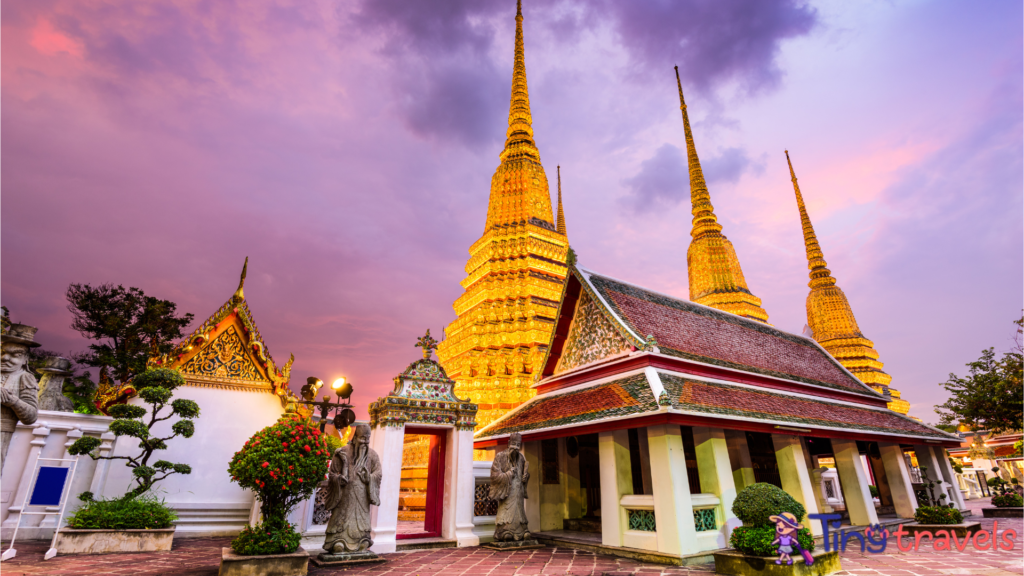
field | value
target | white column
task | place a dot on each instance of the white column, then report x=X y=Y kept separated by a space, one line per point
x=898 y=476
x=926 y=457
x=39 y=435
x=796 y=479
x=616 y=481
x=673 y=508
x=531 y=450
x=739 y=458
x=716 y=476
x=99 y=478
x=388 y=442
x=949 y=476
x=464 y=494
x=855 y=481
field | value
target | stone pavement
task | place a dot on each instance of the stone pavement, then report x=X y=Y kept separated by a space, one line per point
x=201 y=556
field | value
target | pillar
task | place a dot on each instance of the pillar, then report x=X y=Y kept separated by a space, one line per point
x=881 y=480
x=796 y=479
x=673 y=508
x=460 y=488
x=926 y=458
x=739 y=458
x=616 y=482
x=948 y=475
x=898 y=476
x=388 y=442
x=854 y=478
x=716 y=475
x=531 y=450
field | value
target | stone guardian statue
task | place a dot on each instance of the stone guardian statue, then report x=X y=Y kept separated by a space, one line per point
x=353 y=485
x=20 y=390
x=51 y=386
x=510 y=473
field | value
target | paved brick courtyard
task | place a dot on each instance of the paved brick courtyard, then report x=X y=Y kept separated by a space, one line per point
x=201 y=556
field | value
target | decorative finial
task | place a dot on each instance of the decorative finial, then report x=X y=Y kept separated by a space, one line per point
x=519 y=8
x=679 y=84
x=427 y=343
x=561 y=214
x=239 y=294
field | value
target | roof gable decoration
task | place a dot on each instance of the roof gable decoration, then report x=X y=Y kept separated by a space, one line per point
x=592 y=337
x=227 y=351
x=423 y=394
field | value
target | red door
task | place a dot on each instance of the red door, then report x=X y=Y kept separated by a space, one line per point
x=435 y=483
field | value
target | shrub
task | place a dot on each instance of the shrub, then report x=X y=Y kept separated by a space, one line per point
x=874 y=490
x=755 y=504
x=155 y=387
x=1008 y=501
x=757 y=540
x=281 y=464
x=266 y=539
x=938 y=515
x=125 y=513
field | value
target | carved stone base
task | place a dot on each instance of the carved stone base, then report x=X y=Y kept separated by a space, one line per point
x=513 y=545
x=347 y=558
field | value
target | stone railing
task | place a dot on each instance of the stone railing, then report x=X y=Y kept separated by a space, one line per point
x=50 y=436
x=484 y=509
x=641 y=528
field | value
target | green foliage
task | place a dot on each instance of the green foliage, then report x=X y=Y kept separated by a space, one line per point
x=1018 y=449
x=874 y=490
x=143 y=513
x=991 y=397
x=266 y=539
x=1008 y=501
x=938 y=515
x=282 y=465
x=155 y=387
x=333 y=443
x=755 y=504
x=128 y=326
x=757 y=540
x=957 y=466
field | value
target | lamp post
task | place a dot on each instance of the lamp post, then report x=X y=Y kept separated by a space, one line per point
x=344 y=416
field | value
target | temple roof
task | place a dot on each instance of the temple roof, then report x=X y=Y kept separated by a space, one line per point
x=692 y=331
x=634 y=396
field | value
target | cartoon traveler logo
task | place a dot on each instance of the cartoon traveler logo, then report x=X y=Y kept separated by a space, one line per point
x=786 y=526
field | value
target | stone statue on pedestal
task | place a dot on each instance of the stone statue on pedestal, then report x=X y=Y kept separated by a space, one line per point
x=20 y=390
x=353 y=485
x=51 y=386
x=510 y=473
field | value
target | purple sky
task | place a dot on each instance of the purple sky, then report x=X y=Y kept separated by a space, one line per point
x=347 y=149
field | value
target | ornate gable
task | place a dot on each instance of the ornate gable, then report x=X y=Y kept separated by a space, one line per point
x=592 y=337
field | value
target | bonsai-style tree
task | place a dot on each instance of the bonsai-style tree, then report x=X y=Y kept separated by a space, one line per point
x=282 y=464
x=755 y=505
x=155 y=387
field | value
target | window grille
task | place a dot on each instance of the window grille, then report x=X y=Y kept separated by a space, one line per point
x=482 y=504
x=704 y=520
x=642 y=520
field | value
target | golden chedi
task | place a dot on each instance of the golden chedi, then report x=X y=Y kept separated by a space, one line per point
x=716 y=279
x=831 y=319
x=514 y=275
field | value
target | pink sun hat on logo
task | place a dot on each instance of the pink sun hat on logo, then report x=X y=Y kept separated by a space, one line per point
x=788 y=519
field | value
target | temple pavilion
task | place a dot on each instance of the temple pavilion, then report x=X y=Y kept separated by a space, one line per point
x=644 y=414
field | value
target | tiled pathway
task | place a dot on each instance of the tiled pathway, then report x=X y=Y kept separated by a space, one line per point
x=201 y=556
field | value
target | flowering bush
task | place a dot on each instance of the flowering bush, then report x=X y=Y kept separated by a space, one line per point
x=1007 y=501
x=938 y=515
x=281 y=464
x=266 y=539
x=757 y=540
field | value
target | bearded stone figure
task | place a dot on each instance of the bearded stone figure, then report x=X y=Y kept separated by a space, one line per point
x=20 y=389
x=353 y=485
x=509 y=475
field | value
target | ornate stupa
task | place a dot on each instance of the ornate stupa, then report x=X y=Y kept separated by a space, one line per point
x=514 y=274
x=716 y=279
x=831 y=319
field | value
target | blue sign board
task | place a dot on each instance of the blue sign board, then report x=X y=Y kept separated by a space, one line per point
x=49 y=486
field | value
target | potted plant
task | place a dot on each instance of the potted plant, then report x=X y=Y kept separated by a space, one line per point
x=935 y=514
x=756 y=545
x=137 y=521
x=1007 y=503
x=282 y=464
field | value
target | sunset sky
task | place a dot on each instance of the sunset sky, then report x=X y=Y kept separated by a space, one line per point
x=346 y=147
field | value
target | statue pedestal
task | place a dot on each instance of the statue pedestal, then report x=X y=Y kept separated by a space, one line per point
x=347 y=559
x=511 y=545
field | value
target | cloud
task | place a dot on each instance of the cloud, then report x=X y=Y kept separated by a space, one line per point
x=664 y=179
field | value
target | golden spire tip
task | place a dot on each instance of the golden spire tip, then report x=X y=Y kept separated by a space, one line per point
x=241 y=282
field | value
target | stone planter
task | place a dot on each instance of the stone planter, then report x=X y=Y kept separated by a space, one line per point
x=72 y=541
x=294 y=564
x=961 y=530
x=738 y=564
x=1007 y=512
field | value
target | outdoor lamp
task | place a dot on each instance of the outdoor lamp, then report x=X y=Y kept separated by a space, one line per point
x=344 y=416
x=342 y=388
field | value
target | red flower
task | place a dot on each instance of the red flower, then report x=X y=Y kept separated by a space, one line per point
x=290 y=467
x=289 y=482
x=300 y=479
x=265 y=464
x=284 y=444
x=307 y=448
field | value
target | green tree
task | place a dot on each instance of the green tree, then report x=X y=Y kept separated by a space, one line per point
x=129 y=326
x=155 y=387
x=991 y=396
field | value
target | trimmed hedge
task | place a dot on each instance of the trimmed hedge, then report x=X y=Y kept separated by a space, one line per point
x=757 y=540
x=1008 y=501
x=267 y=538
x=139 y=513
x=938 y=515
x=755 y=504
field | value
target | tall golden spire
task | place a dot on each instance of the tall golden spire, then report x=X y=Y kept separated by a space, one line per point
x=561 y=214
x=831 y=319
x=514 y=275
x=239 y=294
x=716 y=279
